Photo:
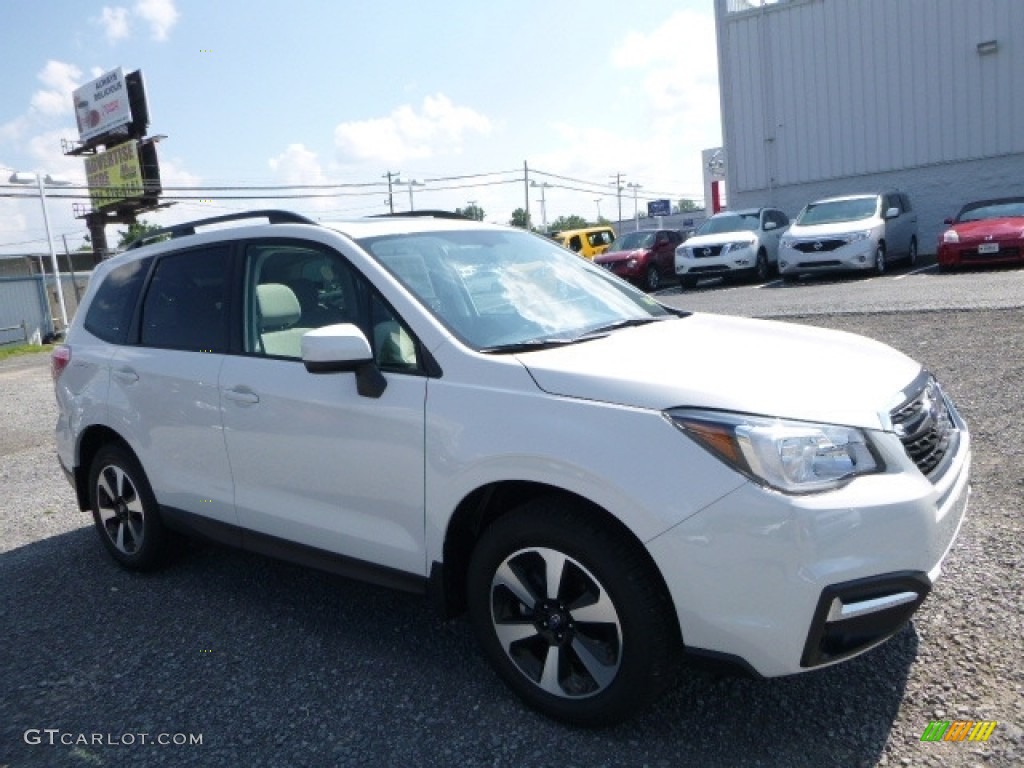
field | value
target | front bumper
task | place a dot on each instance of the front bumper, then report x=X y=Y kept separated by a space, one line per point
x=858 y=255
x=788 y=583
x=735 y=260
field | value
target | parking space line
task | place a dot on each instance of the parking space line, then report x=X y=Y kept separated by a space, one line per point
x=913 y=272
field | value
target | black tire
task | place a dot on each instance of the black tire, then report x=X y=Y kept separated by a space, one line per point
x=595 y=650
x=687 y=283
x=912 y=254
x=880 y=262
x=125 y=510
x=761 y=269
x=652 y=278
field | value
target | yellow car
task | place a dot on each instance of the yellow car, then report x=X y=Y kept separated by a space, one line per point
x=588 y=242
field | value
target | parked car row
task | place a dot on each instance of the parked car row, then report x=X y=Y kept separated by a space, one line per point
x=849 y=233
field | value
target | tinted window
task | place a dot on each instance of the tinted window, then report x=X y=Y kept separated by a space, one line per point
x=186 y=302
x=111 y=310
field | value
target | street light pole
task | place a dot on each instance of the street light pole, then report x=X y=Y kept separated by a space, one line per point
x=41 y=182
x=413 y=183
x=598 y=201
x=543 y=204
x=636 y=210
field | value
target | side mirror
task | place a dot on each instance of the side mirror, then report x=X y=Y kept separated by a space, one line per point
x=948 y=222
x=342 y=348
x=768 y=225
x=892 y=213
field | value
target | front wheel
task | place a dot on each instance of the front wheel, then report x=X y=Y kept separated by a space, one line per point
x=880 y=263
x=761 y=270
x=125 y=510
x=652 y=279
x=912 y=254
x=571 y=614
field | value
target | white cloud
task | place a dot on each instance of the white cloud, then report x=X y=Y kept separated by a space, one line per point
x=60 y=80
x=161 y=15
x=437 y=129
x=297 y=165
x=115 y=23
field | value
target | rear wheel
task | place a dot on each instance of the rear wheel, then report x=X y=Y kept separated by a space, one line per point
x=125 y=510
x=571 y=614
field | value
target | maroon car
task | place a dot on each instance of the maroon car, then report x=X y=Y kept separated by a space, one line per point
x=645 y=258
x=984 y=232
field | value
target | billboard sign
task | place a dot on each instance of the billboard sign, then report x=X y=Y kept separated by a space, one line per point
x=659 y=208
x=115 y=175
x=102 y=105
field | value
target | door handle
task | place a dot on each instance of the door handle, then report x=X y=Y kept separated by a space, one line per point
x=242 y=396
x=126 y=375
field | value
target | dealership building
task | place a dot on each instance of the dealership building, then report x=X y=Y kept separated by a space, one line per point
x=829 y=97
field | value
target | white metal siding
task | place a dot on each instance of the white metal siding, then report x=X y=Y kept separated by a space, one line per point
x=823 y=89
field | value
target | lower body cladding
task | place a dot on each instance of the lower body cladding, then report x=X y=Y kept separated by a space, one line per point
x=782 y=584
x=739 y=262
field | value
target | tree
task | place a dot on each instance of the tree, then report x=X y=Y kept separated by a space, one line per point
x=563 y=223
x=685 y=206
x=520 y=219
x=471 y=211
x=135 y=230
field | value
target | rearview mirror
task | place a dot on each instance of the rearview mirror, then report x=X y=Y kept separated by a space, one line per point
x=341 y=348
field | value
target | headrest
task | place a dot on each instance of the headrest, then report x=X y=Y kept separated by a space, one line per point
x=279 y=308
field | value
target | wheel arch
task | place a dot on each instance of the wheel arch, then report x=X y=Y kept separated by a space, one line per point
x=90 y=443
x=481 y=508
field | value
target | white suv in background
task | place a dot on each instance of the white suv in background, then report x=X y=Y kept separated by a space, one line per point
x=474 y=413
x=854 y=232
x=732 y=243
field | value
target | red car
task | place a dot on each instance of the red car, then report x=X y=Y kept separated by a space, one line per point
x=645 y=258
x=984 y=232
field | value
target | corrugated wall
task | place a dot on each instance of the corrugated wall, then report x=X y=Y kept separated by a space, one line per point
x=863 y=91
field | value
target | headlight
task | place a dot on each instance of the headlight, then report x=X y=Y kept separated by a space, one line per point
x=950 y=236
x=789 y=456
x=786 y=242
x=858 y=236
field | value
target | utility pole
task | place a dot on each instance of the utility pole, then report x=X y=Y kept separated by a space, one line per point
x=391 y=200
x=526 y=184
x=543 y=204
x=598 y=201
x=618 y=194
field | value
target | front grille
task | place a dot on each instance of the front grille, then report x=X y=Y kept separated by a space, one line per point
x=705 y=251
x=822 y=263
x=925 y=427
x=819 y=246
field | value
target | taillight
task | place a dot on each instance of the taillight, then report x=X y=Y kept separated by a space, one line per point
x=59 y=359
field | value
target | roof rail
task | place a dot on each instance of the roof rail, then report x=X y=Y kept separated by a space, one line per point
x=432 y=214
x=189 y=228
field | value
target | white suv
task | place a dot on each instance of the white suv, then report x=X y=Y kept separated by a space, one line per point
x=474 y=413
x=732 y=243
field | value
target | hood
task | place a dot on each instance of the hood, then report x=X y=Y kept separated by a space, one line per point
x=610 y=256
x=737 y=364
x=696 y=241
x=1001 y=228
x=832 y=228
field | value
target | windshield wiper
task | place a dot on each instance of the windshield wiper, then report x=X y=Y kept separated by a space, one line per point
x=530 y=345
x=604 y=330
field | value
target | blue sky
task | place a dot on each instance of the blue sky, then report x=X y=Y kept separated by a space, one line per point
x=320 y=92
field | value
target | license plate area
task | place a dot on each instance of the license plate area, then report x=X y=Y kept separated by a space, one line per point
x=988 y=248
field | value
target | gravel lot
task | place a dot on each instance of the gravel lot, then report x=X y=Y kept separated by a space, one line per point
x=278 y=666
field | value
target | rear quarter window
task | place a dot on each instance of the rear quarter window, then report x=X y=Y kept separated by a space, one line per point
x=111 y=310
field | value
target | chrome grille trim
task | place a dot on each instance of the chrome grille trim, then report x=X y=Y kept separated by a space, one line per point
x=927 y=429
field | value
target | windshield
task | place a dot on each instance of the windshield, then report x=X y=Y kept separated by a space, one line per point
x=631 y=241
x=834 y=211
x=992 y=209
x=496 y=288
x=730 y=222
